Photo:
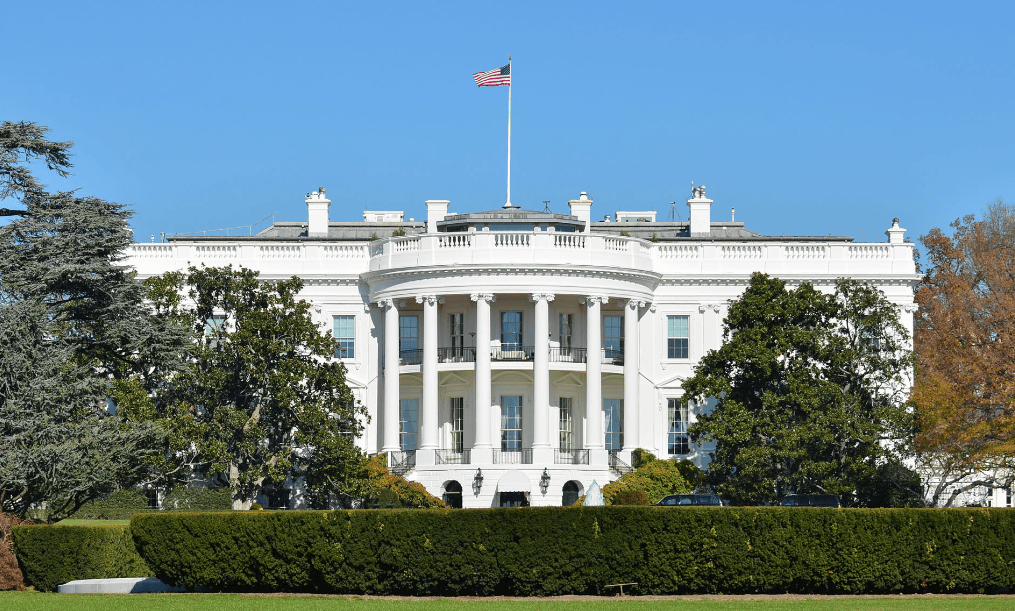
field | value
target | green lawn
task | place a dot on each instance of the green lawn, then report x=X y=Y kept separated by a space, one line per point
x=32 y=601
x=73 y=522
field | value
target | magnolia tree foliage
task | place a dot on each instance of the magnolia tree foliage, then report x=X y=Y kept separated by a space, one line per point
x=261 y=399
x=72 y=322
x=809 y=396
x=965 y=344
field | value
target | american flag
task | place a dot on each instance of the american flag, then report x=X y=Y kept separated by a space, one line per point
x=492 y=78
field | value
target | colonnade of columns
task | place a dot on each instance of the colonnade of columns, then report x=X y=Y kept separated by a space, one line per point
x=542 y=446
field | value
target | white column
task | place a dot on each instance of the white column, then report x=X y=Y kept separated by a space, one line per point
x=389 y=438
x=594 y=440
x=482 y=450
x=632 y=405
x=428 y=410
x=541 y=449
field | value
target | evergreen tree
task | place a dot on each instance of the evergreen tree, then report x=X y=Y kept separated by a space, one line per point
x=809 y=393
x=72 y=321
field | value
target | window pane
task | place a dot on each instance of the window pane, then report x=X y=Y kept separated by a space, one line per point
x=566 y=425
x=613 y=338
x=677 y=336
x=407 y=425
x=677 y=439
x=511 y=330
x=408 y=335
x=511 y=423
x=345 y=337
x=614 y=409
x=457 y=423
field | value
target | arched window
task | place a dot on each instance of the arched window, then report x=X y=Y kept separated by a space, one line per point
x=453 y=494
x=572 y=490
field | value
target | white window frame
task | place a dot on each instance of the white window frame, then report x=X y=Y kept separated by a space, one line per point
x=404 y=432
x=334 y=332
x=457 y=404
x=506 y=419
x=666 y=335
x=673 y=435
x=565 y=426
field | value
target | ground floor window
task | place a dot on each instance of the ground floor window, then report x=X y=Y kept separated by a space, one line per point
x=513 y=499
x=511 y=423
x=677 y=441
x=614 y=409
x=453 y=495
x=566 y=425
x=407 y=423
x=152 y=496
x=457 y=424
x=572 y=490
x=276 y=497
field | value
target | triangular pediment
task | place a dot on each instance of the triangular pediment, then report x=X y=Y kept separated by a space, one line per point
x=454 y=379
x=674 y=382
x=570 y=379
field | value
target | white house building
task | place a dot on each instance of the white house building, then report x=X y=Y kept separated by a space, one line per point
x=514 y=357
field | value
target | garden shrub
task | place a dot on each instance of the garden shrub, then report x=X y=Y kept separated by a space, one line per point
x=549 y=551
x=198 y=498
x=52 y=555
x=384 y=488
x=10 y=574
x=653 y=477
x=118 y=505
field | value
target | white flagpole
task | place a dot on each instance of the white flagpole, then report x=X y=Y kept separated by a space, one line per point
x=511 y=78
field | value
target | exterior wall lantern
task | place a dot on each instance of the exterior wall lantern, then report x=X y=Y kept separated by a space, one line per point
x=544 y=481
x=477 y=482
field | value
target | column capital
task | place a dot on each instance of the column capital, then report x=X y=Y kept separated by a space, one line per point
x=385 y=303
x=541 y=297
x=910 y=308
x=591 y=300
x=429 y=299
x=715 y=307
x=634 y=304
x=487 y=297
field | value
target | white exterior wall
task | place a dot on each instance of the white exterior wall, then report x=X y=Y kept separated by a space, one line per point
x=694 y=278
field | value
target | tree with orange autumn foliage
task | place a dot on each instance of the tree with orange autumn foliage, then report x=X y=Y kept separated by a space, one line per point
x=964 y=392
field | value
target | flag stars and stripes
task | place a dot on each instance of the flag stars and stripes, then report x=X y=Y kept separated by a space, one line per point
x=495 y=77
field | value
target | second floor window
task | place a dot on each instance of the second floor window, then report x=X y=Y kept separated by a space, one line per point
x=676 y=337
x=345 y=337
x=510 y=330
x=566 y=330
x=214 y=327
x=613 y=338
x=408 y=336
x=457 y=327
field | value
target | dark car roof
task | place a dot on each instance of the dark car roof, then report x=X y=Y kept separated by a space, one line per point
x=675 y=500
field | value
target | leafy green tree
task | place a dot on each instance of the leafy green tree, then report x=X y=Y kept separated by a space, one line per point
x=72 y=322
x=808 y=392
x=261 y=399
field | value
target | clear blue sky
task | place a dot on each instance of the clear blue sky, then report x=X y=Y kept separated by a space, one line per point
x=809 y=118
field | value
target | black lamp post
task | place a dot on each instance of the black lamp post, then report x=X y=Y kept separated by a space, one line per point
x=477 y=482
x=544 y=481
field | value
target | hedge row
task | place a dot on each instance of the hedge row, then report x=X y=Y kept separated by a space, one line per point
x=124 y=503
x=553 y=551
x=52 y=555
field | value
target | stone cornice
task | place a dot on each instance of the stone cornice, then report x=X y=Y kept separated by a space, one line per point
x=647 y=278
x=910 y=280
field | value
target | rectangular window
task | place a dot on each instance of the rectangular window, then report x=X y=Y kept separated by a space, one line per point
x=565 y=333
x=566 y=425
x=614 y=409
x=511 y=423
x=345 y=337
x=408 y=337
x=214 y=327
x=510 y=331
x=676 y=337
x=677 y=441
x=407 y=423
x=457 y=424
x=457 y=328
x=613 y=337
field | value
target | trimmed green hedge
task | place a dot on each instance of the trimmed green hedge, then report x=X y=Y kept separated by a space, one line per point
x=52 y=555
x=553 y=551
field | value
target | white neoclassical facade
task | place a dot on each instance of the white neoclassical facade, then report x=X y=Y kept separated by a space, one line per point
x=514 y=357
